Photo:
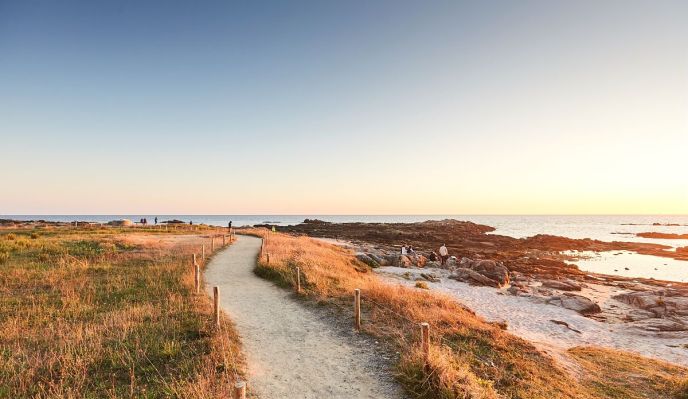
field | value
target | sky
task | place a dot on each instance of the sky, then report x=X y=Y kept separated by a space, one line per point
x=343 y=107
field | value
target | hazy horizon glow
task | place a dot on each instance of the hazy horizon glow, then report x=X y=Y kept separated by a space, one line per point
x=383 y=107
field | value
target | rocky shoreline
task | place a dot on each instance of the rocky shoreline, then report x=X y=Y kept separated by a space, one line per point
x=531 y=267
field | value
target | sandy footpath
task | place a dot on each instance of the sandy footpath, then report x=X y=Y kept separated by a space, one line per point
x=292 y=351
x=532 y=320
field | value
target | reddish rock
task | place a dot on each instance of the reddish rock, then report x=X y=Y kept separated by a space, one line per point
x=562 y=285
x=579 y=303
x=473 y=277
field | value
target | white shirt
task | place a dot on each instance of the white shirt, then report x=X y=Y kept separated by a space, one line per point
x=443 y=251
x=403 y=250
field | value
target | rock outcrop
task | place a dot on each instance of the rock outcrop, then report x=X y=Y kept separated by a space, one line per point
x=496 y=273
x=471 y=276
x=579 y=303
x=662 y=303
x=368 y=260
x=562 y=285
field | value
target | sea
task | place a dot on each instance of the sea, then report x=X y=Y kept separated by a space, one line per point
x=599 y=227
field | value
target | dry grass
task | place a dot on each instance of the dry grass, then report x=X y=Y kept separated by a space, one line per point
x=100 y=313
x=469 y=357
x=615 y=374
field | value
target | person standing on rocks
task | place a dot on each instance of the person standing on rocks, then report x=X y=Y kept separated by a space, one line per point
x=444 y=253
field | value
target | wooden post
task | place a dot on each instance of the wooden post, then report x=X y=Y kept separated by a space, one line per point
x=240 y=390
x=212 y=244
x=224 y=240
x=298 y=280
x=268 y=257
x=203 y=252
x=425 y=335
x=197 y=279
x=193 y=259
x=216 y=303
x=357 y=309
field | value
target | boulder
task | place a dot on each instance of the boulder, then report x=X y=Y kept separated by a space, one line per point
x=575 y=302
x=379 y=259
x=655 y=324
x=516 y=276
x=492 y=270
x=433 y=263
x=638 y=314
x=465 y=262
x=121 y=222
x=473 y=277
x=519 y=290
x=421 y=261
x=367 y=260
x=403 y=261
x=430 y=277
x=562 y=285
x=391 y=260
x=643 y=300
x=677 y=305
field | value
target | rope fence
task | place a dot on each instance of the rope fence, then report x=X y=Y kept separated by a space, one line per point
x=412 y=333
x=423 y=337
x=424 y=330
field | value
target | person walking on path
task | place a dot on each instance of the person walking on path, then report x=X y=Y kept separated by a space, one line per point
x=444 y=254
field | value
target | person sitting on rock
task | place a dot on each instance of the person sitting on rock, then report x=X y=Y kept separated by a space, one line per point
x=444 y=253
x=411 y=251
x=404 y=251
x=433 y=256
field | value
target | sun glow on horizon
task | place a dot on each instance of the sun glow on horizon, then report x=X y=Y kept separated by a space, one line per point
x=538 y=108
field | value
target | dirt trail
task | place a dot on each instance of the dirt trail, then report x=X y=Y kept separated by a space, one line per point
x=292 y=351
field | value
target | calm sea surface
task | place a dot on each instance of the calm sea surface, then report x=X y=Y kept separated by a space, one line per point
x=606 y=228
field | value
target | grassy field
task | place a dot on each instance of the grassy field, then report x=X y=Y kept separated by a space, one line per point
x=469 y=358
x=108 y=313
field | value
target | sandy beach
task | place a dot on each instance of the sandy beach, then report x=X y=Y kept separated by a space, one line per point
x=532 y=319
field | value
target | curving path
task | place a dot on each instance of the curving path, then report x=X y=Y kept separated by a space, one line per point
x=292 y=351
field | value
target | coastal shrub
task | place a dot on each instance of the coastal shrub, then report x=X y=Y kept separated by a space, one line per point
x=34 y=235
x=4 y=257
x=422 y=285
x=84 y=248
x=11 y=236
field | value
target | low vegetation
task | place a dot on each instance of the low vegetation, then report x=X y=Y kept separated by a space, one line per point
x=105 y=312
x=469 y=358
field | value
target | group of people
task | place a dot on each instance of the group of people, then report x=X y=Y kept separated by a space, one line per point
x=442 y=257
x=144 y=221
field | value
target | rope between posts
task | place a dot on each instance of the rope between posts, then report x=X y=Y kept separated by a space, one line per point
x=391 y=311
x=231 y=354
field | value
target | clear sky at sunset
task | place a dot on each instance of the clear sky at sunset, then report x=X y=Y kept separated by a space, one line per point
x=513 y=107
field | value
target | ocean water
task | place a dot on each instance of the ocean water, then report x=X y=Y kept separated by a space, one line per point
x=600 y=227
